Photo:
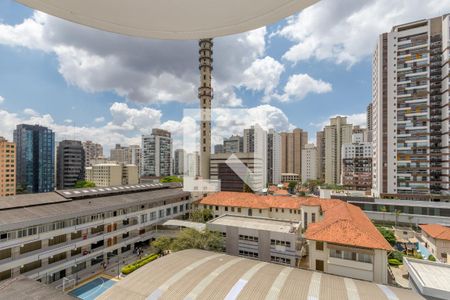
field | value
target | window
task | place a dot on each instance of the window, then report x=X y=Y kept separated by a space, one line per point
x=248 y=253
x=280 y=243
x=319 y=245
x=239 y=209
x=248 y=238
x=281 y=260
x=226 y=208
x=313 y=217
x=366 y=258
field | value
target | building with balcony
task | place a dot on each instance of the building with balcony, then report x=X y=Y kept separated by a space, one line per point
x=410 y=95
x=338 y=238
x=52 y=235
x=70 y=164
x=7 y=168
x=309 y=163
x=92 y=151
x=266 y=239
x=156 y=154
x=292 y=144
x=273 y=157
x=357 y=166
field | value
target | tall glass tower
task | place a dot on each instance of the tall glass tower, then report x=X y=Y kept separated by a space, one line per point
x=35 y=150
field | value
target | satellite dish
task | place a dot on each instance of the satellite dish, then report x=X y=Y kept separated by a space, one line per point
x=171 y=19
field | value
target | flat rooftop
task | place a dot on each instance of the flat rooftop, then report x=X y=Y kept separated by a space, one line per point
x=198 y=274
x=48 y=207
x=23 y=288
x=256 y=223
x=431 y=278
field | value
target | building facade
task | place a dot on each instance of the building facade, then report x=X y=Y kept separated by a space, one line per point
x=157 y=154
x=309 y=163
x=337 y=133
x=92 y=151
x=35 y=158
x=112 y=174
x=53 y=235
x=193 y=164
x=437 y=240
x=292 y=144
x=70 y=164
x=219 y=148
x=369 y=122
x=7 y=168
x=357 y=164
x=320 y=143
x=179 y=167
x=273 y=157
x=410 y=97
x=233 y=144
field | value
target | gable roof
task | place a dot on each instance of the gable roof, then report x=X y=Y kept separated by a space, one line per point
x=437 y=231
x=347 y=224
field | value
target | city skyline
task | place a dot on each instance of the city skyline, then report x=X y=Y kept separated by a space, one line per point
x=124 y=116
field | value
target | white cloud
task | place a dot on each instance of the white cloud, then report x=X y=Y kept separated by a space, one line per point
x=359 y=119
x=345 y=31
x=141 y=70
x=30 y=112
x=125 y=118
x=2 y=99
x=299 y=86
x=263 y=75
x=68 y=121
x=99 y=120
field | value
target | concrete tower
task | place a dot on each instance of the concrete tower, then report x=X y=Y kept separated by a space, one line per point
x=205 y=94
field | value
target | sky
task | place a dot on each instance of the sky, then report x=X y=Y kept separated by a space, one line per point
x=87 y=84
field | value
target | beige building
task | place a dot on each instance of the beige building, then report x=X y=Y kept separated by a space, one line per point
x=309 y=163
x=437 y=240
x=288 y=177
x=129 y=155
x=337 y=133
x=292 y=144
x=112 y=174
x=7 y=168
x=320 y=143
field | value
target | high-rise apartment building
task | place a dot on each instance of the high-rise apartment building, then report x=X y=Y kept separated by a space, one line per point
x=337 y=133
x=70 y=164
x=233 y=144
x=92 y=151
x=309 y=163
x=292 y=144
x=219 y=148
x=156 y=160
x=255 y=142
x=273 y=157
x=179 y=162
x=357 y=165
x=112 y=174
x=410 y=98
x=7 y=168
x=35 y=158
x=193 y=164
x=320 y=143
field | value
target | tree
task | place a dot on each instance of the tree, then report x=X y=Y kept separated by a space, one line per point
x=201 y=215
x=193 y=239
x=388 y=235
x=168 y=179
x=163 y=243
x=84 y=184
x=383 y=210
x=397 y=214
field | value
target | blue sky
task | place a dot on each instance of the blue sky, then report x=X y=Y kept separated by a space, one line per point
x=88 y=84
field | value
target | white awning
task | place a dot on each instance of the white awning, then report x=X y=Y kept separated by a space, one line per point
x=171 y=19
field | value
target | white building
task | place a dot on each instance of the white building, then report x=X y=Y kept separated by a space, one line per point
x=309 y=163
x=193 y=164
x=156 y=154
x=273 y=157
x=92 y=151
x=410 y=97
x=179 y=162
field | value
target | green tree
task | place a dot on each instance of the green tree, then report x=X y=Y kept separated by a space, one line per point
x=193 y=239
x=201 y=215
x=383 y=210
x=168 y=179
x=84 y=184
x=163 y=243
x=388 y=235
x=397 y=214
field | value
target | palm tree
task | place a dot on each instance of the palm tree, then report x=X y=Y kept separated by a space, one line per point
x=397 y=214
x=383 y=210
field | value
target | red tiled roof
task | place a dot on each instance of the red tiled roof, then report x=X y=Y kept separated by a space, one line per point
x=281 y=192
x=342 y=223
x=436 y=231
x=347 y=224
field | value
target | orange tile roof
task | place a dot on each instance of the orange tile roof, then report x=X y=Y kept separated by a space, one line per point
x=347 y=224
x=342 y=223
x=436 y=231
x=281 y=192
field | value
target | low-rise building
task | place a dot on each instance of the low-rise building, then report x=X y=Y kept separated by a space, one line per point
x=266 y=239
x=340 y=238
x=112 y=174
x=288 y=177
x=437 y=240
x=53 y=235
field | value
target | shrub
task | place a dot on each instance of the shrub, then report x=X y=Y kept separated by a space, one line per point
x=394 y=262
x=388 y=235
x=397 y=255
x=139 y=263
x=431 y=258
x=418 y=256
